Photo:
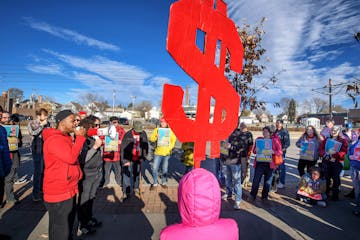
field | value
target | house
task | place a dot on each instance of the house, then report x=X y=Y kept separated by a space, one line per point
x=73 y=106
x=108 y=112
x=154 y=113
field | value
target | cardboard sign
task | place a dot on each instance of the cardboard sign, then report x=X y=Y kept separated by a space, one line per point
x=163 y=137
x=312 y=196
x=356 y=154
x=187 y=18
x=264 y=150
x=12 y=132
x=332 y=146
x=307 y=151
x=111 y=144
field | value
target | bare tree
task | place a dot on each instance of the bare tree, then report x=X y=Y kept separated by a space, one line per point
x=284 y=104
x=321 y=106
x=16 y=94
x=143 y=106
x=251 y=38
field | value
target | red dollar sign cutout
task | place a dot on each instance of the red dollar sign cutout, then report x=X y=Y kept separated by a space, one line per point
x=186 y=18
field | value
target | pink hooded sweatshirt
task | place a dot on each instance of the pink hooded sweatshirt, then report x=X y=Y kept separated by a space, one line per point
x=199 y=204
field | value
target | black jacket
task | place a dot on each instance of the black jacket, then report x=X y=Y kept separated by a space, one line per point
x=127 y=145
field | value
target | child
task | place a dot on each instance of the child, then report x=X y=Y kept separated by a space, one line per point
x=312 y=188
x=188 y=156
x=199 y=206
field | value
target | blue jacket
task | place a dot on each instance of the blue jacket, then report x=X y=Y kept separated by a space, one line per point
x=355 y=163
x=5 y=161
x=284 y=138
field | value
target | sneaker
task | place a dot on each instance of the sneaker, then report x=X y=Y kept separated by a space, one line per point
x=84 y=231
x=153 y=186
x=226 y=196
x=237 y=205
x=280 y=185
x=164 y=186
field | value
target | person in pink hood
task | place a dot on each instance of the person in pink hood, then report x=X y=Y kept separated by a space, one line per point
x=199 y=203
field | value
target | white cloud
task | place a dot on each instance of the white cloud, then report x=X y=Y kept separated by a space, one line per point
x=101 y=76
x=69 y=35
x=307 y=38
x=46 y=69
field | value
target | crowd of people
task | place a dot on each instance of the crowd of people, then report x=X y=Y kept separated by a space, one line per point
x=73 y=159
x=320 y=165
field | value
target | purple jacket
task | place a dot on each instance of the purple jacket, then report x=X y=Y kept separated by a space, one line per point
x=199 y=204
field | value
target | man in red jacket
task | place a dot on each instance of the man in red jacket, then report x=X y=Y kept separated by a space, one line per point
x=61 y=174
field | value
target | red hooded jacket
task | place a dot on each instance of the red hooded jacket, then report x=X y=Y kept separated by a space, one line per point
x=62 y=169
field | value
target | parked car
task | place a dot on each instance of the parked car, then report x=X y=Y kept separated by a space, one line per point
x=123 y=121
x=107 y=122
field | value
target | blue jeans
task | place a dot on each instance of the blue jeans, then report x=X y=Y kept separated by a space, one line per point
x=355 y=175
x=260 y=170
x=282 y=171
x=131 y=177
x=233 y=180
x=165 y=163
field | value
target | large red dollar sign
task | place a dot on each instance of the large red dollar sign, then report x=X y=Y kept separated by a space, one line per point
x=186 y=18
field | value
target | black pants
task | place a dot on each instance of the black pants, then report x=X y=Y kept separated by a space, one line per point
x=332 y=172
x=87 y=192
x=131 y=177
x=61 y=219
x=305 y=163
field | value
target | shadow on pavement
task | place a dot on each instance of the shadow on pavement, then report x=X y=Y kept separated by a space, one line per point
x=170 y=210
x=123 y=220
x=19 y=221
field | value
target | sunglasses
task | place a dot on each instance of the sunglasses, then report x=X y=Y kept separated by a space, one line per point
x=97 y=125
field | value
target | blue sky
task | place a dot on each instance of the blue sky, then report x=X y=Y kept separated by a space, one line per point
x=64 y=49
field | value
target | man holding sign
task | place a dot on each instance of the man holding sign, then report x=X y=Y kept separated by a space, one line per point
x=333 y=151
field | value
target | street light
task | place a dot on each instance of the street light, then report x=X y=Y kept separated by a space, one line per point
x=133 y=105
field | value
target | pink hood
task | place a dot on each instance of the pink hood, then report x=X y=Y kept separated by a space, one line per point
x=199 y=206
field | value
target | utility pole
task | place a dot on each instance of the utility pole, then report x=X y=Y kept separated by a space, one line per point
x=113 y=103
x=330 y=100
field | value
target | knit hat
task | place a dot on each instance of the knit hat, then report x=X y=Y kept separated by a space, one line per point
x=138 y=127
x=62 y=115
